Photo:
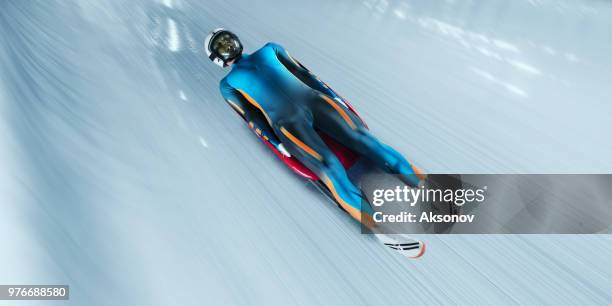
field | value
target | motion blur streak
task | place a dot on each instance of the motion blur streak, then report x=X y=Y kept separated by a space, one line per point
x=124 y=171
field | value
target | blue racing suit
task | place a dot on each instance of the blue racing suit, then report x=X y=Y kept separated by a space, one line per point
x=284 y=103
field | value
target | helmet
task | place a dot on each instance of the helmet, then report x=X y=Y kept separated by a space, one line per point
x=222 y=46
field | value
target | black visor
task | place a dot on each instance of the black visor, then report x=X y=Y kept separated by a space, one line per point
x=226 y=45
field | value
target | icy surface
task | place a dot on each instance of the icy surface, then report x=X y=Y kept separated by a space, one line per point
x=122 y=170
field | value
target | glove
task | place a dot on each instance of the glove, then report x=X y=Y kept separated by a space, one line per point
x=283 y=151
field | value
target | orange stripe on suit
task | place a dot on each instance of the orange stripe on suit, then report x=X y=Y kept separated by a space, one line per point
x=254 y=103
x=341 y=111
x=302 y=145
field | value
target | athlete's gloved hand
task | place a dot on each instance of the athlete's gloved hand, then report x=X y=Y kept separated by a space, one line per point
x=283 y=151
x=276 y=143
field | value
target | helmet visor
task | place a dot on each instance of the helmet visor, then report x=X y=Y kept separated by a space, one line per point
x=226 y=45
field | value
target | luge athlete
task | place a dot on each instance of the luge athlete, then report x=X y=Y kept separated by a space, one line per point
x=284 y=103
